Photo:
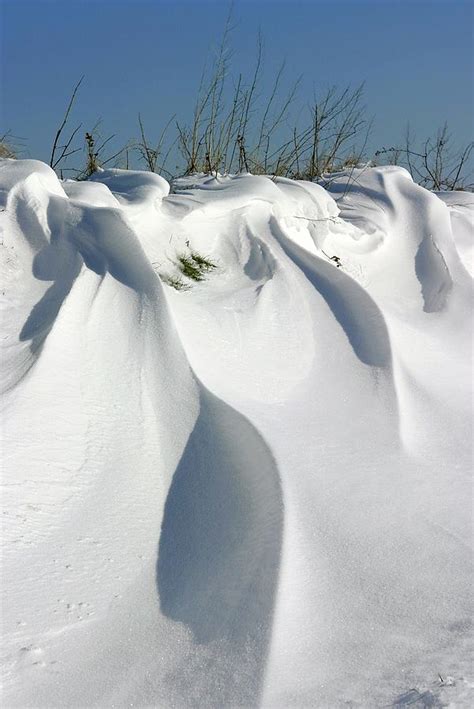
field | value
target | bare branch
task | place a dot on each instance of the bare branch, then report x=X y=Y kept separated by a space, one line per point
x=53 y=163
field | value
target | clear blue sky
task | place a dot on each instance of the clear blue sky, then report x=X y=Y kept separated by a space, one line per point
x=416 y=58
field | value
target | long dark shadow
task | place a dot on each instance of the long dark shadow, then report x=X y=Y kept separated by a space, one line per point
x=219 y=550
x=353 y=308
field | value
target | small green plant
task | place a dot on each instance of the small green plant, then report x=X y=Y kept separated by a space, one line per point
x=203 y=263
x=192 y=266
x=175 y=282
x=189 y=268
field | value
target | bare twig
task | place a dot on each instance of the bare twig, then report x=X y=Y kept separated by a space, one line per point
x=53 y=160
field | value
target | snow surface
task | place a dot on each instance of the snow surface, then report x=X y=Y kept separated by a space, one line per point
x=252 y=492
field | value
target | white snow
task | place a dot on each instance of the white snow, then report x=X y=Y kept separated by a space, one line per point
x=255 y=491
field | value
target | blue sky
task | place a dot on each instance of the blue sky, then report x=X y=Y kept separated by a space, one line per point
x=416 y=58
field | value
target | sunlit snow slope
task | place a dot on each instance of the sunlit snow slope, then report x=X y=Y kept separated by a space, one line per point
x=254 y=490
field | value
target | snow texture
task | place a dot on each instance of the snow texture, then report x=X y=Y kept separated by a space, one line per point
x=255 y=490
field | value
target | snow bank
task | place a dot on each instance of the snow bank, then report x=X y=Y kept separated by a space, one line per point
x=252 y=491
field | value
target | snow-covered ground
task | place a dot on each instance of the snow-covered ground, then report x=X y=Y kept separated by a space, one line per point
x=255 y=490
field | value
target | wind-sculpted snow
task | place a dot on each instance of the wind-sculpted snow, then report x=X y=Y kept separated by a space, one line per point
x=255 y=490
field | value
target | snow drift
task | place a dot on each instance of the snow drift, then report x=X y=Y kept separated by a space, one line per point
x=252 y=491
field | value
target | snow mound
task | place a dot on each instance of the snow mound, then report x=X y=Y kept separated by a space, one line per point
x=252 y=490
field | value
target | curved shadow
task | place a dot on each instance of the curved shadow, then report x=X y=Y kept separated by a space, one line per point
x=260 y=264
x=56 y=261
x=353 y=308
x=219 y=549
x=100 y=238
x=433 y=275
x=108 y=245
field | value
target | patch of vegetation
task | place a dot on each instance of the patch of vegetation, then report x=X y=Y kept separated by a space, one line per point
x=6 y=151
x=175 y=282
x=189 y=268
x=10 y=146
x=203 y=263
x=193 y=266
